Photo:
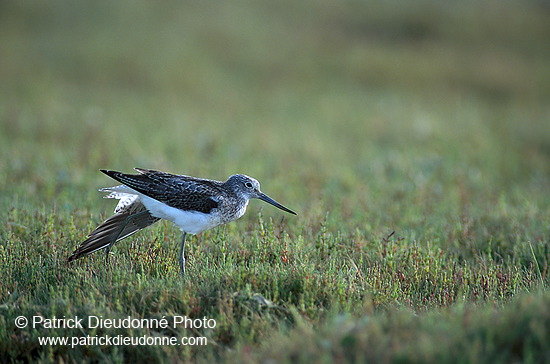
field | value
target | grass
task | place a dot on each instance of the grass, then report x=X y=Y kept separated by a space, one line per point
x=412 y=140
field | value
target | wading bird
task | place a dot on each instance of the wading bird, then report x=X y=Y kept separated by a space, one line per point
x=192 y=204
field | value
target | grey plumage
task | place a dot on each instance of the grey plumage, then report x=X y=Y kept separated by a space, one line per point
x=182 y=192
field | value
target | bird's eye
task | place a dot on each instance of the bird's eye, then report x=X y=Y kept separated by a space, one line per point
x=248 y=184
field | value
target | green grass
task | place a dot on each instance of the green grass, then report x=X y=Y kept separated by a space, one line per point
x=413 y=140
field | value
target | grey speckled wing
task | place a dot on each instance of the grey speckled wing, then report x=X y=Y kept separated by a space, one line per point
x=182 y=192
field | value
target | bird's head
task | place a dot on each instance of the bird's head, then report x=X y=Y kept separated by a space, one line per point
x=247 y=187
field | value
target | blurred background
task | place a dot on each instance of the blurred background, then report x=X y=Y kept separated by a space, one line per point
x=427 y=118
x=400 y=109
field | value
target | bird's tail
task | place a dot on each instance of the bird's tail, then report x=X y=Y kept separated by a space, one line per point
x=119 y=226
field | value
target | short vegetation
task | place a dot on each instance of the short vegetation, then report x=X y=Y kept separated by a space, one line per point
x=412 y=138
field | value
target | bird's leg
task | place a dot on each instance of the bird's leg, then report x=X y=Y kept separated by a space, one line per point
x=182 y=256
x=126 y=222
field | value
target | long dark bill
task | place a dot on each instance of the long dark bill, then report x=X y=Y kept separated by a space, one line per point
x=266 y=198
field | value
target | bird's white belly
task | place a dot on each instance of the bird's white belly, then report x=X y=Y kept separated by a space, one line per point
x=192 y=222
